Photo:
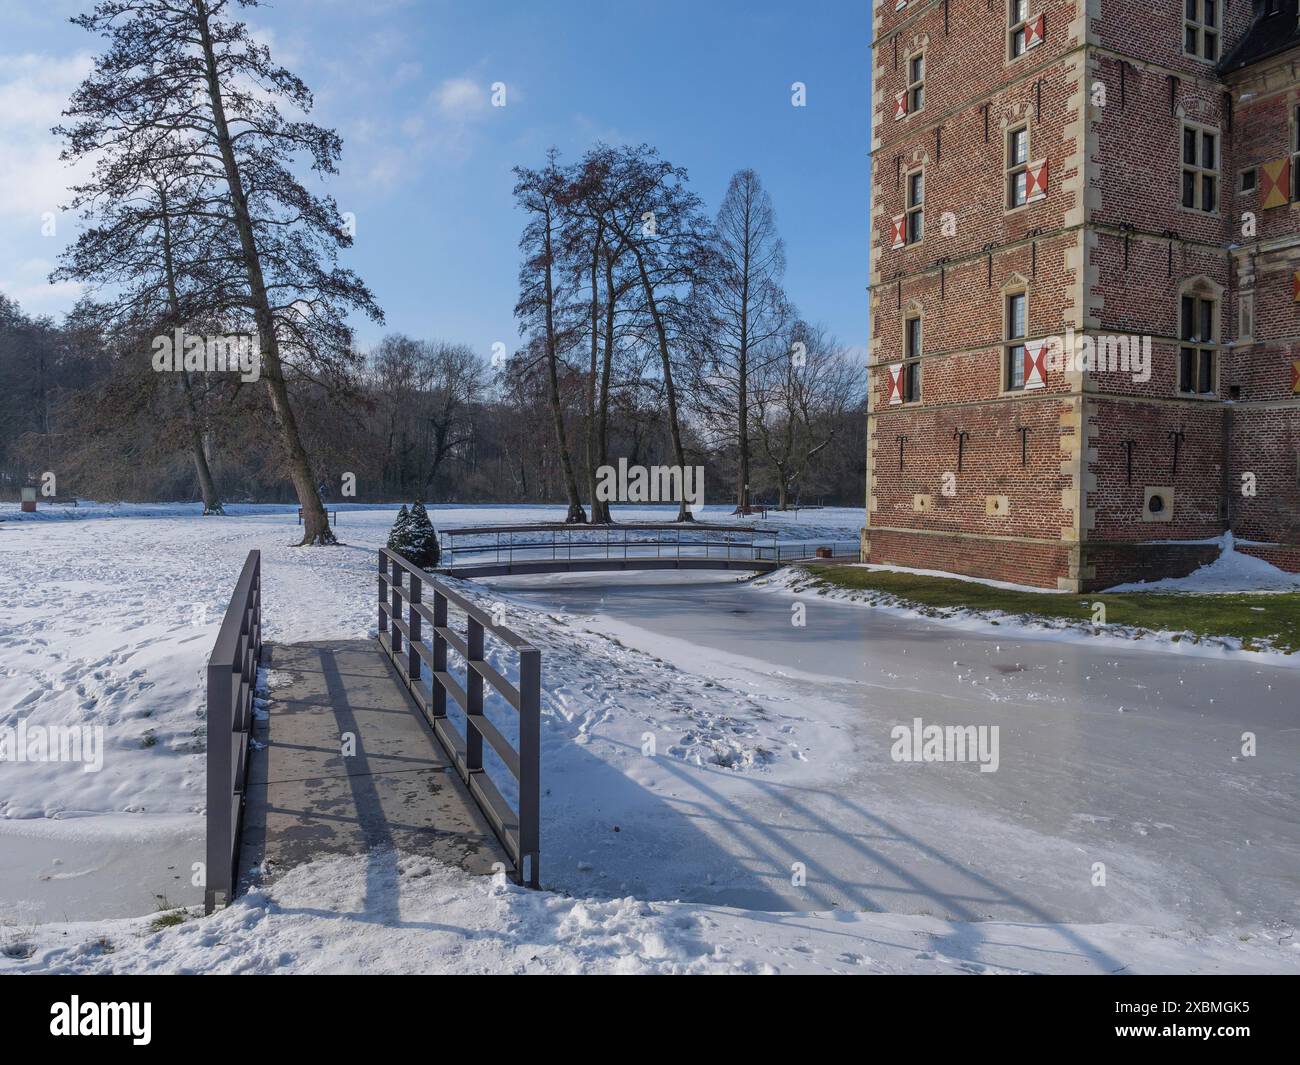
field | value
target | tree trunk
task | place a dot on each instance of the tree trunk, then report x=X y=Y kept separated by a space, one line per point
x=670 y=392
x=602 y=430
x=599 y=507
x=207 y=486
x=316 y=527
x=576 y=515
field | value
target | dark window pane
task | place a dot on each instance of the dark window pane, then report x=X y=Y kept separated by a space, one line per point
x=1207 y=192
x=1019 y=147
x=1189 y=43
x=1207 y=321
x=1189 y=318
x=1186 y=360
x=1018 y=42
x=918 y=68
x=915 y=227
x=913 y=337
x=912 y=382
x=1019 y=189
x=1016 y=366
x=1191 y=9
x=1189 y=188
x=1247 y=180
x=1189 y=146
x=1211 y=45
x=1206 y=381
x=1207 y=151
x=915 y=190
x=918 y=98
x=1211 y=12
x=1016 y=316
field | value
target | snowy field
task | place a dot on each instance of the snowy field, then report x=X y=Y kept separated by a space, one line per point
x=771 y=808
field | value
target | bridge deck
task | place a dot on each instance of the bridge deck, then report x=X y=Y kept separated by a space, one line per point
x=306 y=800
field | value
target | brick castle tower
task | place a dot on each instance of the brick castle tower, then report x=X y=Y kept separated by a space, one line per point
x=1085 y=287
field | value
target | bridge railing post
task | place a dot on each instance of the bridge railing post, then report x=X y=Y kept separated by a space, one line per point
x=474 y=696
x=382 y=623
x=413 y=628
x=439 y=651
x=395 y=611
x=530 y=742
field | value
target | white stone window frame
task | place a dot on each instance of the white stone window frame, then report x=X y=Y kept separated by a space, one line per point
x=910 y=208
x=1017 y=286
x=1198 y=168
x=912 y=360
x=1200 y=24
x=1201 y=289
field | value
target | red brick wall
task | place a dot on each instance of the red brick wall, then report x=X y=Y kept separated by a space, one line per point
x=1142 y=249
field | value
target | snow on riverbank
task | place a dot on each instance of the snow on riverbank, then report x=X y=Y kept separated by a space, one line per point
x=107 y=617
x=388 y=913
x=110 y=622
x=1242 y=574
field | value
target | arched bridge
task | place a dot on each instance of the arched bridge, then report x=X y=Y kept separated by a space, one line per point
x=500 y=550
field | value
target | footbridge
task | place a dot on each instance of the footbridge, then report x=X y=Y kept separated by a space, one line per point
x=503 y=550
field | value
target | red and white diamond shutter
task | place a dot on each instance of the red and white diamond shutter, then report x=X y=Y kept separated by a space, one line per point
x=894 y=384
x=1035 y=363
x=1034 y=31
x=1036 y=180
x=900 y=105
x=900 y=231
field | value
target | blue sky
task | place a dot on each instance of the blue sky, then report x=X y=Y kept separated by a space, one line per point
x=426 y=161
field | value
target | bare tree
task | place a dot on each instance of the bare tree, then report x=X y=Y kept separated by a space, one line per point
x=181 y=84
x=801 y=400
x=659 y=221
x=746 y=312
x=540 y=193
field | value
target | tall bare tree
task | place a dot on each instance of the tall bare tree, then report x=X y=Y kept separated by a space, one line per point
x=181 y=83
x=659 y=221
x=747 y=312
x=541 y=194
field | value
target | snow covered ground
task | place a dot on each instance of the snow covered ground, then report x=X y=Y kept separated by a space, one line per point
x=771 y=787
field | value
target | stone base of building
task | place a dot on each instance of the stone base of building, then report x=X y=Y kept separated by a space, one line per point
x=1107 y=565
x=1041 y=565
x=1065 y=567
x=1283 y=556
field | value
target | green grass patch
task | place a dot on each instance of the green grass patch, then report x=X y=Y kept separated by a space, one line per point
x=1260 y=620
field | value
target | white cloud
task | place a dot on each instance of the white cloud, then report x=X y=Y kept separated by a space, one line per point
x=34 y=90
x=460 y=99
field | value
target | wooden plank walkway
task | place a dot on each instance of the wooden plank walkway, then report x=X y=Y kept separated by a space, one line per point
x=397 y=790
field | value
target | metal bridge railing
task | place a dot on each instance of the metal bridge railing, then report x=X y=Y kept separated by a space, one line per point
x=232 y=680
x=509 y=544
x=402 y=636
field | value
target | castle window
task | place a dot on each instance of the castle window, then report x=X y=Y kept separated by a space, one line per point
x=1248 y=180
x=1197 y=347
x=1201 y=29
x=1200 y=168
x=1017 y=166
x=915 y=83
x=1295 y=153
x=1017 y=31
x=1016 y=327
x=912 y=357
x=915 y=206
